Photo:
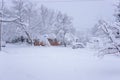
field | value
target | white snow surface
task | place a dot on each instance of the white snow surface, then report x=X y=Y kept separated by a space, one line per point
x=20 y=62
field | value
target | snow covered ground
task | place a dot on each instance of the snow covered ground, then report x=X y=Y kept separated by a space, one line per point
x=56 y=63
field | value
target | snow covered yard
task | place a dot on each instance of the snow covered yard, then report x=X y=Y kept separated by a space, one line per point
x=56 y=63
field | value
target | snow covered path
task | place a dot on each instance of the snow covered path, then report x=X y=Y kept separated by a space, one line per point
x=56 y=63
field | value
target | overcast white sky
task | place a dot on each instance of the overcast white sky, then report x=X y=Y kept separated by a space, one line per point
x=85 y=12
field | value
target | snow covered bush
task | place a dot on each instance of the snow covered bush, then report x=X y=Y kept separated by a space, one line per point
x=109 y=35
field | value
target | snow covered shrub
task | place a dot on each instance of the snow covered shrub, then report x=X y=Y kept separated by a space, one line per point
x=109 y=35
x=94 y=43
x=77 y=45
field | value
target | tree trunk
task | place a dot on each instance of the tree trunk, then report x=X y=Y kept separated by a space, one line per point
x=29 y=38
x=64 y=43
x=2 y=5
x=0 y=36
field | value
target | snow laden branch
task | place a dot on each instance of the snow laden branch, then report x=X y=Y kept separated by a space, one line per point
x=8 y=20
x=110 y=36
